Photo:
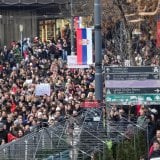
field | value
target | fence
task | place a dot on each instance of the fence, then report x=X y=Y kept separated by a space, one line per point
x=77 y=138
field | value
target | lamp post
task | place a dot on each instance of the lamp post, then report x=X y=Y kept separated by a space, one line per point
x=21 y=34
x=72 y=29
x=98 y=51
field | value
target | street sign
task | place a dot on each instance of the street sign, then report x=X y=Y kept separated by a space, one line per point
x=132 y=76
x=132 y=90
x=132 y=84
x=128 y=85
x=134 y=99
x=122 y=70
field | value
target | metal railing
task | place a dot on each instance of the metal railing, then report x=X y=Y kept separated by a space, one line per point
x=76 y=138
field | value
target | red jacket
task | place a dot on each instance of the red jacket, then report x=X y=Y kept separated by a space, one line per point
x=11 y=137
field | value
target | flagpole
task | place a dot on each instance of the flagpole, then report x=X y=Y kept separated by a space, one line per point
x=72 y=29
x=98 y=51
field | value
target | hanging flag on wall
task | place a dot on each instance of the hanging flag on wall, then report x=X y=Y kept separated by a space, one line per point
x=84 y=46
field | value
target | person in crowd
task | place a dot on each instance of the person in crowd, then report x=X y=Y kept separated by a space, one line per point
x=142 y=120
x=3 y=134
x=114 y=114
x=156 y=150
x=155 y=138
x=65 y=49
x=138 y=60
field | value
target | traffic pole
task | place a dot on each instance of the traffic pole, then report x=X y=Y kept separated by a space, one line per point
x=98 y=51
x=72 y=29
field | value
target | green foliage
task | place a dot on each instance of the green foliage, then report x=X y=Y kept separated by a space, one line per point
x=128 y=149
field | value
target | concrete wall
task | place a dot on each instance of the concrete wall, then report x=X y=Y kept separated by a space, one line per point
x=9 y=25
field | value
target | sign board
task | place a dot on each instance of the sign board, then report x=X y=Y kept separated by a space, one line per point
x=132 y=90
x=72 y=62
x=90 y=104
x=133 y=84
x=134 y=99
x=125 y=85
x=132 y=76
x=43 y=89
x=122 y=70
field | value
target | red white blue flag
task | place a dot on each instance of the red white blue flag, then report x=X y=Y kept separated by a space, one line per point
x=84 y=46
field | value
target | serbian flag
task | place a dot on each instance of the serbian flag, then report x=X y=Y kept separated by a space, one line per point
x=84 y=46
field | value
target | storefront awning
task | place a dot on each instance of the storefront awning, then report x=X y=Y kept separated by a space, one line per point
x=46 y=7
x=29 y=2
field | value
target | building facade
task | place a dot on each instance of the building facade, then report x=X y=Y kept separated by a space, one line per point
x=39 y=18
x=36 y=17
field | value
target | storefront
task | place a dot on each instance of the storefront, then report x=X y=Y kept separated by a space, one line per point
x=27 y=13
x=49 y=29
x=53 y=28
x=31 y=15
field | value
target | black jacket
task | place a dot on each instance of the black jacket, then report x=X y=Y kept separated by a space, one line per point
x=155 y=154
x=3 y=136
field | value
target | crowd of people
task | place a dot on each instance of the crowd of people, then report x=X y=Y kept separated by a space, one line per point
x=21 y=111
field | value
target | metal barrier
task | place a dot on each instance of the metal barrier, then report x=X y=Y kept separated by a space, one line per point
x=39 y=144
x=75 y=138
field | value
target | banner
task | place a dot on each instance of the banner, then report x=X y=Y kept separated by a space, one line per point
x=72 y=63
x=158 y=34
x=43 y=89
x=90 y=104
x=84 y=46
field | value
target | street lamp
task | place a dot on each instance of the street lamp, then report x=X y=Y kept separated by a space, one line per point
x=21 y=33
